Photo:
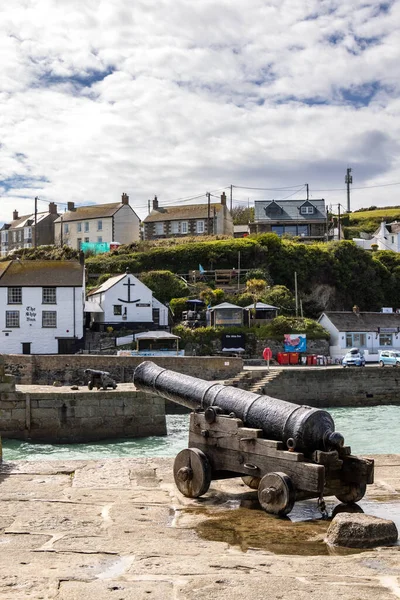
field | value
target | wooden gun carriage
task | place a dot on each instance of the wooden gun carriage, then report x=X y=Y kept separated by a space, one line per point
x=99 y=379
x=286 y=451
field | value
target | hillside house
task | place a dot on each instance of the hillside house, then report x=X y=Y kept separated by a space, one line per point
x=306 y=219
x=123 y=301
x=189 y=220
x=28 y=230
x=41 y=306
x=97 y=223
x=386 y=237
x=369 y=331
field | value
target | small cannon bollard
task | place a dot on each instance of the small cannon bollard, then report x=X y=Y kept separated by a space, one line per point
x=99 y=379
x=286 y=451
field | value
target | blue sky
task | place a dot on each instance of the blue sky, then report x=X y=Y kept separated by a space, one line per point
x=176 y=98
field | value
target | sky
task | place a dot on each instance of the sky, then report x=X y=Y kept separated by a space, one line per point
x=177 y=98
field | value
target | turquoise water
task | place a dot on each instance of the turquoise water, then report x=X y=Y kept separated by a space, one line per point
x=368 y=430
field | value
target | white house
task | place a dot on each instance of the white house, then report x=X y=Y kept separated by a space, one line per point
x=41 y=306
x=387 y=237
x=369 y=331
x=97 y=223
x=124 y=301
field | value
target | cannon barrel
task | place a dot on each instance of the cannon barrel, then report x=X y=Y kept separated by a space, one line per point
x=301 y=428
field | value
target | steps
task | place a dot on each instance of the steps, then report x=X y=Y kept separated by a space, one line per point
x=258 y=386
x=253 y=381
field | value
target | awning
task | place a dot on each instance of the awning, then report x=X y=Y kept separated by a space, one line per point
x=93 y=307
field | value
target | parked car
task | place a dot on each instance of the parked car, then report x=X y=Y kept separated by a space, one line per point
x=354 y=358
x=389 y=358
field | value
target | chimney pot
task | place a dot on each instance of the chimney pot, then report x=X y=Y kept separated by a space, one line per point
x=223 y=199
x=70 y=206
x=125 y=198
x=52 y=208
x=155 y=203
x=15 y=215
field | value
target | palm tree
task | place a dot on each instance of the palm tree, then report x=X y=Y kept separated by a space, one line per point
x=256 y=288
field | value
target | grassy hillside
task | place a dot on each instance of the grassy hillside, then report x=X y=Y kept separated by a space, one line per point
x=368 y=220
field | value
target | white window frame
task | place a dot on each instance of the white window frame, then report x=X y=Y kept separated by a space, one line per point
x=159 y=228
x=78 y=227
x=12 y=318
x=99 y=239
x=200 y=226
x=27 y=233
x=175 y=227
x=389 y=338
x=49 y=295
x=14 y=295
x=307 y=210
x=99 y=225
x=184 y=227
x=351 y=342
x=66 y=227
x=86 y=226
x=49 y=319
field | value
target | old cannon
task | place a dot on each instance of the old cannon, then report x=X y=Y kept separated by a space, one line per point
x=286 y=451
x=99 y=379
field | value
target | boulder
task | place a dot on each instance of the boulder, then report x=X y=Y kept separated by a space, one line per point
x=355 y=530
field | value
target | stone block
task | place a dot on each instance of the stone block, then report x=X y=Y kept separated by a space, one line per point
x=18 y=414
x=355 y=530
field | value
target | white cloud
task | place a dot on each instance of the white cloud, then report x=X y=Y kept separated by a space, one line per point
x=175 y=98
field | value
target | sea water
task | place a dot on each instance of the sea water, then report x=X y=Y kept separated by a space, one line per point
x=368 y=430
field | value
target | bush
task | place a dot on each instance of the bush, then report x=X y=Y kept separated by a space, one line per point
x=164 y=285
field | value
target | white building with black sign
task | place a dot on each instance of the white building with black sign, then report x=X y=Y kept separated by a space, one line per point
x=41 y=306
x=124 y=301
x=369 y=331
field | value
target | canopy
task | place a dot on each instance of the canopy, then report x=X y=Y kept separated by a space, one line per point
x=93 y=307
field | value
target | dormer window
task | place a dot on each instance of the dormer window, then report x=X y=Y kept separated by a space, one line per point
x=307 y=210
x=273 y=209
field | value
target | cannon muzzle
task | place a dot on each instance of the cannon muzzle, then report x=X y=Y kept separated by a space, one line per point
x=301 y=428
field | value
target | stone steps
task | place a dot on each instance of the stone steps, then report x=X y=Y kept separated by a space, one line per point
x=258 y=386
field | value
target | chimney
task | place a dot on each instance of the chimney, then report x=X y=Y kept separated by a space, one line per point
x=155 y=203
x=52 y=208
x=15 y=215
x=356 y=310
x=223 y=199
x=70 y=206
x=125 y=198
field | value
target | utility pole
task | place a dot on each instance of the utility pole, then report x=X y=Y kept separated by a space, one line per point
x=238 y=281
x=231 y=198
x=338 y=222
x=348 y=180
x=295 y=293
x=35 y=238
x=306 y=184
x=208 y=211
x=148 y=206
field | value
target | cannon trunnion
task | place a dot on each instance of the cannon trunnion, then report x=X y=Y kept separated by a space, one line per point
x=286 y=451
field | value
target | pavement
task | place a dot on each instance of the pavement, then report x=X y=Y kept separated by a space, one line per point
x=118 y=529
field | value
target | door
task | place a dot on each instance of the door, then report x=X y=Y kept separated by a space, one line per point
x=26 y=347
x=66 y=346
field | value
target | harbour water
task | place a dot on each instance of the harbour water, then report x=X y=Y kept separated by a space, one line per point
x=368 y=430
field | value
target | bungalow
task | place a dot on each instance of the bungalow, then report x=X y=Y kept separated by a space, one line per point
x=369 y=331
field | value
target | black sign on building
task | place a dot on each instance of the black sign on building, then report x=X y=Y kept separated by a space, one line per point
x=233 y=342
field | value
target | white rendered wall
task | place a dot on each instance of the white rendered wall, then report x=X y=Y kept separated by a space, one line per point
x=126 y=225
x=43 y=339
x=119 y=292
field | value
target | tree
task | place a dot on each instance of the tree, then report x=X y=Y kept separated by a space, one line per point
x=281 y=297
x=242 y=216
x=256 y=288
x=164 y=285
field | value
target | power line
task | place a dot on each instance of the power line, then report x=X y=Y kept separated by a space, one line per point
x=290 y=187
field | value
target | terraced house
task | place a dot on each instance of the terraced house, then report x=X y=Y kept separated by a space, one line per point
x=189 y=220
x=97 y=223
x=28 y=230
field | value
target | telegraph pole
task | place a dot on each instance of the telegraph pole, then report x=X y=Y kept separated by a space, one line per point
x=231 y=198
x=307 y=191
x=208 y=211
x=348 y=180
x=35 y=238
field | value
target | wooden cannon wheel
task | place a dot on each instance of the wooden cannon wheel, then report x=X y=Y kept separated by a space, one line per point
x=352 y=493
x=192 y=472
x=276 y=494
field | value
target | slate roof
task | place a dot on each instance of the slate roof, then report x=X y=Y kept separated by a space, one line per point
x=363 y=322
x=106 y=285
x=38 y=273
x=27 y=220
x=95 y=211
x=175 y=213
x=290 y=210
x=226 y=305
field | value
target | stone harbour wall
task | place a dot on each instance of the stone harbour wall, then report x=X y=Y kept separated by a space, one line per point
x=69 y=369
x=331 y=386
x=72 y=417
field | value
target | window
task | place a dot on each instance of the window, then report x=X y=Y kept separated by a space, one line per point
x=175 y=227
x=49 y=318
x=99 y=225
x=66 y=227
x=159 y=228
x=14 y=236
x=28 y=233
x=200 y=226
x=386 y=339
x=14 y=295
x=86 y=225
x=49 y=295
x=118 y=310
x=12 y=318
x=78 y=243
x=184 y=226
x=307 y=210
x=79 y=227
x=392 y=239
x=86 y=239
x=99 y=239
x=356 y=339
x=4 y=237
